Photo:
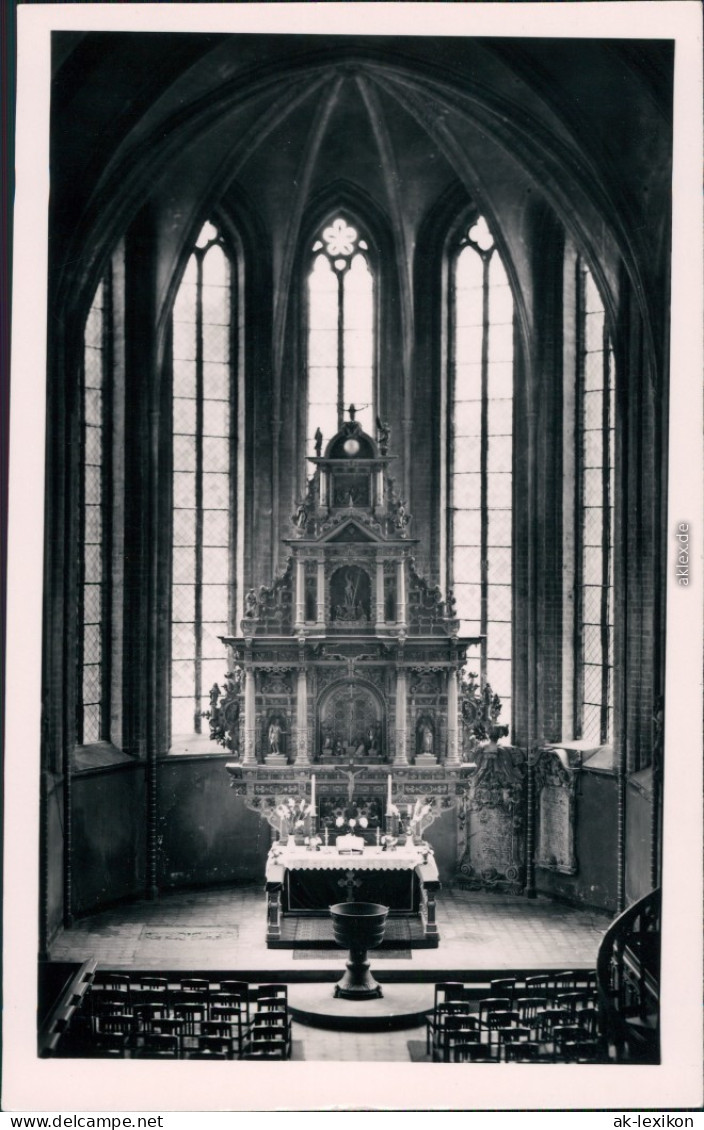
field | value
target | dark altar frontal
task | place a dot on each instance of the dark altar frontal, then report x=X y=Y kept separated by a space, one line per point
x=348 y=706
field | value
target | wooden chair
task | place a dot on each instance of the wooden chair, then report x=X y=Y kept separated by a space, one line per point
x=449 y=991
x=563 y=1034
x=529 y=1009
x=435 y=1022
x=572 y=1002
x=272 y=991
x=546 y=1021
x=539 y=986
x=472 y=1052
x=159 y=1046
x=456 y=1029
x=512 y=1035
x=492 y=1004
x=498 y=1022
x=267 y=1042
x=523 y=1052
x=564 y=982
x=584 y=1051
x=505 y=987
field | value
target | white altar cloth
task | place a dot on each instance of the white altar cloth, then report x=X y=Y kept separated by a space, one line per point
x=409 y=857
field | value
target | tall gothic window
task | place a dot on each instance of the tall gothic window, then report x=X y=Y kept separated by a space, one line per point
x=93 y=721
x=594 y=495
x=203 y=478
x=340 y=330
x=480 y=453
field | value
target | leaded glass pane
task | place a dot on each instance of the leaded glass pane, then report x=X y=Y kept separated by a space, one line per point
x=91 y=683
x=468 y=419
x=468 y=597
x=92 y=523
x=592 y=565
x=467 y=457
x=212 y=645
x=184 y=414
x=216 y=454
x=93 y=445
x=91 y=723
x=499 y=602
x=216 y=490
x=322 y=352
x=499 y=524
x=92 y=643
x=592 y=683
x=216 y=418
x=466 y=490
x=468 y=344
x=216 y=343
x=500 y=379
x=216 y=527
x=467 y=563
x=184 y=565
x=184 y=453
x=183 y=641
x=468 y=383
x=216 y=380
x=500 y=417
x=215 y=602
x=215 y=565
x=469 y=274
x=184 y=341
x=499 y=491
x=93 y=407
x=184 y=384
x=499 y=456
x=183 y=673
x=183 y=603
x=594 y=344
x=467 y=527
x=499 y=641
x=182 y=715
x=92 y=564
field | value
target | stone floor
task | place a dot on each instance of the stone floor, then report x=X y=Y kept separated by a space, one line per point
x=225 y=929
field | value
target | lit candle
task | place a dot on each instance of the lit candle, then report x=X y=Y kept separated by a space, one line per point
x=312 y=792
x=388 y=794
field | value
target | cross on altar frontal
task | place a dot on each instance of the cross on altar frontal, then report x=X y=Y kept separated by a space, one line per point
x=348 y=700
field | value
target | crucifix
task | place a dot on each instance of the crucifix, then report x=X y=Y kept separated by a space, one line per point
x=351 y=779
x=349 y=882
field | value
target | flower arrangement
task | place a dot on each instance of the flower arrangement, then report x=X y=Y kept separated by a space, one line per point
x=292 y=815
x=417 y=818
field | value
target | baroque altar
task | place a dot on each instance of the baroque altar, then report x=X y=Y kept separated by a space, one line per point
x=347 y=695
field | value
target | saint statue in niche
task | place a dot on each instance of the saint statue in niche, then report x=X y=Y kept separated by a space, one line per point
x=275 y=732
x=350 y=593
x=426 y=738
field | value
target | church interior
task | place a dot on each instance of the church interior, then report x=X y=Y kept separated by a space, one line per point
x=355 y=545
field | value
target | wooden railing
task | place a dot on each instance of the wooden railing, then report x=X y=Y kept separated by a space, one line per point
x=628 y=982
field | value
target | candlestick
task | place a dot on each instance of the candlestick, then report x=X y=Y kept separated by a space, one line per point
x=312 y=792
x=388 y=792
x=378 y=837
x=326 y=835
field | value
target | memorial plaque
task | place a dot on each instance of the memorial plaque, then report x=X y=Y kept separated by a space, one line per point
x=556 y=783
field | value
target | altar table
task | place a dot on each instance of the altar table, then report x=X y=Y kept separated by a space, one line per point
x=302 y=882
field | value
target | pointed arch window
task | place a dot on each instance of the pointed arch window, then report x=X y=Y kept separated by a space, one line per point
x=594 y=527
x=203 y=436
x=341 y=329
x=480 y=449
x=93 y=720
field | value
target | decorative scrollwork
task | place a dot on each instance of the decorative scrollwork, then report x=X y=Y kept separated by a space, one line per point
x=225 y=707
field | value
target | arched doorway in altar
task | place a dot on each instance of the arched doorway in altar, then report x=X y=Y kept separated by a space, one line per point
x=351 y=722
